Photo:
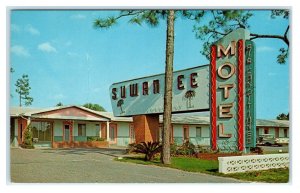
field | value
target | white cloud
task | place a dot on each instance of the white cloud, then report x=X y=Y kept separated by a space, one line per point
x=32 y=30
x=78 y=16
x=19 y=51
x=265 y=49
x=46 y=47
x=59 y=96
x=15 y=28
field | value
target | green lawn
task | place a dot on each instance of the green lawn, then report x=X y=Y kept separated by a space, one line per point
x=271 y=176
x=211 y=167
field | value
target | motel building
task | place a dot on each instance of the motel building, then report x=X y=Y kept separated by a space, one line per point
x=76 y=126
x=225 y=88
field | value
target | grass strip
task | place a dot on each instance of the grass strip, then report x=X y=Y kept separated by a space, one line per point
x=211 y=167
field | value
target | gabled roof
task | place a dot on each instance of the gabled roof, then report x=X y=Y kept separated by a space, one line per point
x=24 y=111
x=111 y=116
x=272 y=123
x=40 y=113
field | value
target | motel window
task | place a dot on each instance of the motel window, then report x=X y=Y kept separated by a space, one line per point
x=41 y=131
x=81 y=130
x=97 y=130
x=185 y=132
x=266 y=130
x=112 y=132
x=198 y=132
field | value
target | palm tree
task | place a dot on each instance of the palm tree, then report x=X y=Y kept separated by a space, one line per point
x=189 y=95
x=119 y=104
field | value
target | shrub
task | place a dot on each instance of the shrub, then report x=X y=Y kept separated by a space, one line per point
x=187 y=148
x=149 y=149
x=203 y=149
x=131 y=147
x=173 y=149
x=95 y=138
x=27 y=143
x=257 y=150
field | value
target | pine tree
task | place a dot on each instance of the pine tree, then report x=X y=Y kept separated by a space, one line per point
x=23 y=89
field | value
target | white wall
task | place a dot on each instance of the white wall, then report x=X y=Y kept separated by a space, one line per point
x=272 y=131
x=123 y=129
x=281 y=132
x=192 y=131
x=205 y=131
x=178 y=130
x=90 y=128
x=123 y=138
x=261 y=131
x=57 y=128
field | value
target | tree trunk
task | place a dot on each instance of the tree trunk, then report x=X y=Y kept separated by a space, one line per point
x=165 y=155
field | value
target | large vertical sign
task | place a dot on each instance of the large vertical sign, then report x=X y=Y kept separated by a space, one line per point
x=250 y=115
x=227 y=92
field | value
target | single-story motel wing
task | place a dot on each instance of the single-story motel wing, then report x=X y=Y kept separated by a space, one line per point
x=77 y=126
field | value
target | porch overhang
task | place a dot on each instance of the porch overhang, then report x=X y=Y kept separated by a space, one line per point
x=55 y=117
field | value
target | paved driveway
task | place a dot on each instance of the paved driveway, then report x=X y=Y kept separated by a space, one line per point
x=93 y=166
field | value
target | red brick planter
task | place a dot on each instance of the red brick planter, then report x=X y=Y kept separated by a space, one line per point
x=89 y=144
x=214 y=156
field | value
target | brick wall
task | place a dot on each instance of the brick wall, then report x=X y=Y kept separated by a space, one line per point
x=22 y=125
x=146 y=127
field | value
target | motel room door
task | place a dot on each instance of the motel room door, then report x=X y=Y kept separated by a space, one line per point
x=112 y=133
x=67 y=133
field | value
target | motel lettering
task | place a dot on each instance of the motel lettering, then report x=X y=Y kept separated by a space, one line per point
x=136 y=89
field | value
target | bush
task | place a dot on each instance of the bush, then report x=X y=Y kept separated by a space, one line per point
x=186 y=149
x=149 y=149
x=257 y=150
x=27 y=143
x=130 y=148
x=203 y=149
x=95 y=138
x=173 y=149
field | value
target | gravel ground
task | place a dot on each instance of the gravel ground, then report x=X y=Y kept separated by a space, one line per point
x=93 y=166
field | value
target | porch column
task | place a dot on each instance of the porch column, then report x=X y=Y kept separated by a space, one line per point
x=146 y=128
x=28 y=121
x=107 y=131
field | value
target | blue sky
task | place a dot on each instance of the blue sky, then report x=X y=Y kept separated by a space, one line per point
x=69 y=61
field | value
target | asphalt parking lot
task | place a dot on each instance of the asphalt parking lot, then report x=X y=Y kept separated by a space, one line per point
x=274 y=149
x=93 y=166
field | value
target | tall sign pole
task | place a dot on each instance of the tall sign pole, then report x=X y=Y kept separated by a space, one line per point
x=231 y=124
